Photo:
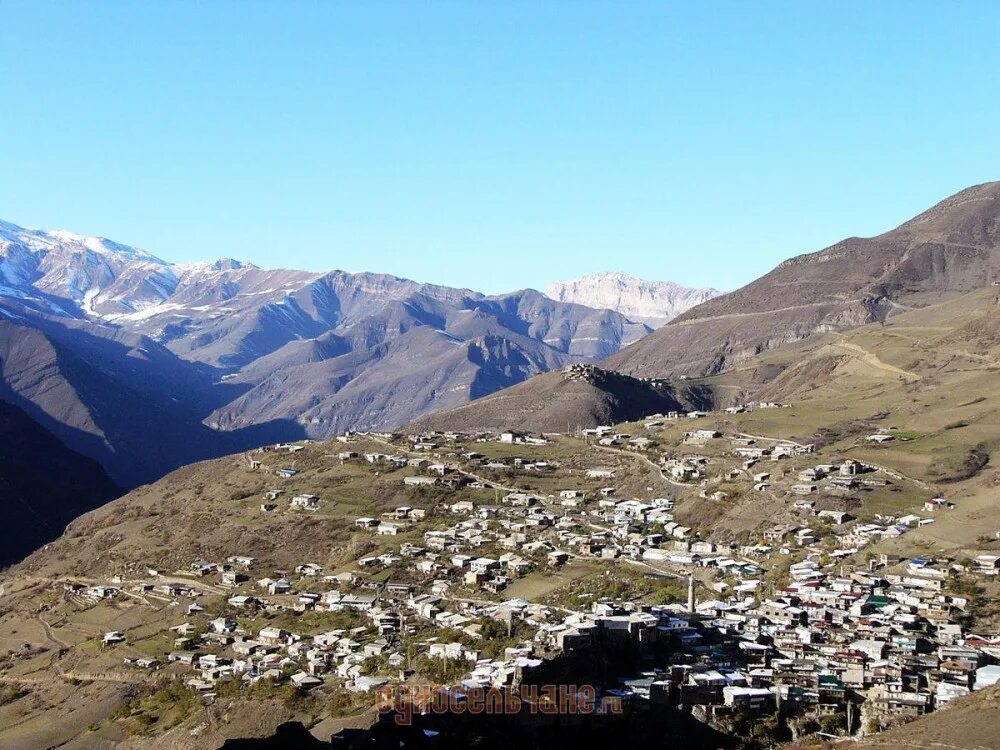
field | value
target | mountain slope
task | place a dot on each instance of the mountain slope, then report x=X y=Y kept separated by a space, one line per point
x=653 y=302
x=951 y=248
x=968 y=723
x=117 y=397
x=43 y=485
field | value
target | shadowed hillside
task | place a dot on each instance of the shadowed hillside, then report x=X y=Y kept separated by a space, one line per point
x=43 y=484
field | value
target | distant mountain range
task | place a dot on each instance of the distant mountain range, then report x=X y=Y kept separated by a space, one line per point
x=653 y=302
x=947 y=251
x=147 y=365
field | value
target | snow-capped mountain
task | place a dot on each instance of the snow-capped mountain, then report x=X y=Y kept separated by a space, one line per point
x=145 y=364
x=64 y=273
x=71 y=274
x=653 y=302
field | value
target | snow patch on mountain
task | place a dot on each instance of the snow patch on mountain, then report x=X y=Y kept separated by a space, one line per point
x=40 y=239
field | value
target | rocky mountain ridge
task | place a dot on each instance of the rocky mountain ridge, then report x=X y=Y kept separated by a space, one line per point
x=653 y=302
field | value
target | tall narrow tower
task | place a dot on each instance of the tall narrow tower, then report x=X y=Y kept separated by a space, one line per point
x=691 y=593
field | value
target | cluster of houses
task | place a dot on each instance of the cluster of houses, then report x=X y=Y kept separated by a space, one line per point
x=214 y=647
x=883 y=636
x=889 y=644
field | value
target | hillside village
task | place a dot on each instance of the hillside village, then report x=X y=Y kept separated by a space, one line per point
x=726 y=611
x=321 y=454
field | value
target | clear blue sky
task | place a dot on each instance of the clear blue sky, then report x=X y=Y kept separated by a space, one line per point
x=494 y=146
